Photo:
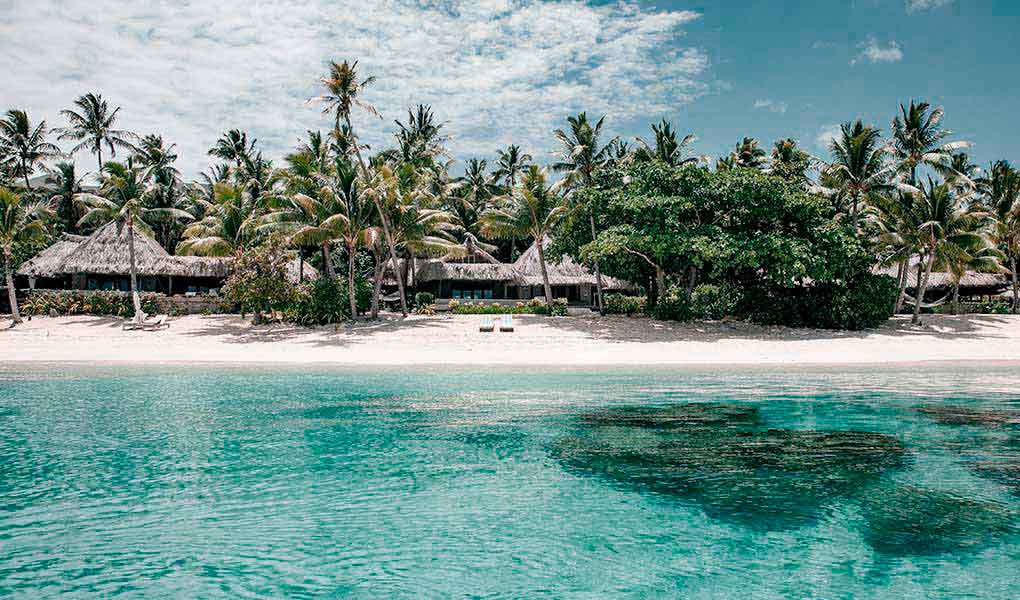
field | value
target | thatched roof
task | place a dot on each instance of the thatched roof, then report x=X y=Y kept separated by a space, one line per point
x=105 y=252
x=48 y=263
x=437 y=270
x=565 y=271
x=943 y=280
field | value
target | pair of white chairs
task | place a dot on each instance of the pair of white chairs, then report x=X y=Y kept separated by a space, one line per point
x=488 y=324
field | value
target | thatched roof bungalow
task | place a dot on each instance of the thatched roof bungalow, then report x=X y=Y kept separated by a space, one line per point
x=490 y=280
x=972 y=284
x=102 y=261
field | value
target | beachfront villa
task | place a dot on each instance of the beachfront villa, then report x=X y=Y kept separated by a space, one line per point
x=101 y=262
x=481 y=278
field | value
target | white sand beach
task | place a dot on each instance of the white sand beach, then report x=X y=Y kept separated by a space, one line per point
x=569 y=341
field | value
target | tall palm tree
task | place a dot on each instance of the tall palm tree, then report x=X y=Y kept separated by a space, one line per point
x=19 y=221
x=581 y=154
x=790 y=162
x=92 y=126
x=63 y=183
x=165 y=190
x=420 y=140
x=27 y=144
x=473 y=191
x=1000 y=189
x=532 y=209
x=859 y=164
x=747 y=154
x=947 y=231
x=233 y=146
x=510 y=165
x=343 y=92
x=667 y=148
x=121 y=200
x=918 y=140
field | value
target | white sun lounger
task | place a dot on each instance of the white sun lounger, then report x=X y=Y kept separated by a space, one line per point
x=487 y=324
x=506 y=324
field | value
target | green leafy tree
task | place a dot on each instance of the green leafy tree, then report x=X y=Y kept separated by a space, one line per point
x=19 y=221
x=92 y=125
x=790 y=162
x=26 y=144
x=258 y=282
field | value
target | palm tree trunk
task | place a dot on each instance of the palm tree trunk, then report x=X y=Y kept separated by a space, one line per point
x=595 y=262
x=382 y=216
x=11 y=294
x=327 y=261
x=376 y=282
x=99 y=156
x=923 y=287
x=692 y=278
x=956 y=298
x=545 y=273
x=139 y=316
x=1016 y=284
x=350 y=281
x=901 y=281
x=24 y=171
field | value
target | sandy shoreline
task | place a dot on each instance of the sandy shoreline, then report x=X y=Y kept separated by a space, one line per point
x=551 y=342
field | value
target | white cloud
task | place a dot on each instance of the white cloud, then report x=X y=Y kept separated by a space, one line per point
x=497 y=71
x=826 y=134
x=771 y=105
x=874 y=52
x=919 y=5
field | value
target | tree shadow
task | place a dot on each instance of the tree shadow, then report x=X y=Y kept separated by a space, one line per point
x=240 y=331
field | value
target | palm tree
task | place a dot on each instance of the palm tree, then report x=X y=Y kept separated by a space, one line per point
x=725 y=163
x=92 y=126
x=533 y=209
x=64 y=183
x=790 y=162
x=233 y=146
x=27 y=145
x=511 y=164
x=343 y=92
x=581 y=155
x=121 y=200
x=1000 y=189
x=667 y=147
x=858 y=165
x=918 y=140
x=747 y=154
x=227 y=223
x=164 y=187
x=19 y=221
x=420 y=140
x=473 y=191
x=947 y=231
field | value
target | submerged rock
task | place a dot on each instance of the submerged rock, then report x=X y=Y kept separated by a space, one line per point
x=1004 y=470
x=909 y=520
x=968 y=415
x=720 y=458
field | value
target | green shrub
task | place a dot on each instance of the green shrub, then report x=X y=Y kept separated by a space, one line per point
x=713 y=302
x=424 y=299
x=535 y=306
x=91 y=302
x=618 y=304
x=324 y=301
x=864 y=304
x=558 y=308
x=673 y=306
x=258 y=283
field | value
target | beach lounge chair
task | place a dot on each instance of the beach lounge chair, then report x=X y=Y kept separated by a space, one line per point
x=132 y=324
x=506 y=324
x=487 y=325
x=156 y=324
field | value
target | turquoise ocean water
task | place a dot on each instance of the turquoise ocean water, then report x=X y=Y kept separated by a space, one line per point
x=206 y=482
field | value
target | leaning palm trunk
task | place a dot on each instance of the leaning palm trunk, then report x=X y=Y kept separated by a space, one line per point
x=595 y=262
x=545 y=273
x=11 y=294
x=350 y=281
x=956 y=298
x=139 y=316
x=327 y=261
x=382 y=218
x=1016 y=286
x=903 y=273
x=922 y=287
x=377 y=282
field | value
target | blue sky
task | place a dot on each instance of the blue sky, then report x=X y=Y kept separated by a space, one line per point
x=509 y=71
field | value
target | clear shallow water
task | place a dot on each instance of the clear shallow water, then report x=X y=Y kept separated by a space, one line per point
x=206 y=482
